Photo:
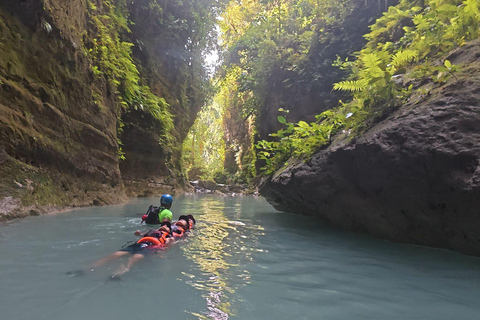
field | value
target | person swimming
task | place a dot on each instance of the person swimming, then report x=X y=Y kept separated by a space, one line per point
x=180 y=227
x=150 y=242
x=191 y=221
x=157 y=215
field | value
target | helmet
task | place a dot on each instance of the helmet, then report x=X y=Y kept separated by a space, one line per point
x=166 y=199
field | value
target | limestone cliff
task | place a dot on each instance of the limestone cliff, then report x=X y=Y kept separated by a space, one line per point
x=413 y=177
x=57 y=147
x=62 y=117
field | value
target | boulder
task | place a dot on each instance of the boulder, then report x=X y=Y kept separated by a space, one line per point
x=413 y=177
x=207 y=184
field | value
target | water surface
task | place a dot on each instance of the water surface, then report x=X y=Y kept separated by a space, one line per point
x=243 y=261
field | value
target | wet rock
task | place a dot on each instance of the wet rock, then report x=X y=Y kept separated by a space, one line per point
x=8 y=204
x=413 y=178
x=221 y=189
x=207 y=184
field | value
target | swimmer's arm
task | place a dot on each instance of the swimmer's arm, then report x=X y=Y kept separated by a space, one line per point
x=138 y=233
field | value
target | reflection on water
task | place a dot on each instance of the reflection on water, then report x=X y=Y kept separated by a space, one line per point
x=215 y=248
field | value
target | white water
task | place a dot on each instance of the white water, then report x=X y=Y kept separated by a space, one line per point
x=243 y=261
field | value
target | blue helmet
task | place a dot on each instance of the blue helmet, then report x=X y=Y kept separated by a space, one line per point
x=166 y=199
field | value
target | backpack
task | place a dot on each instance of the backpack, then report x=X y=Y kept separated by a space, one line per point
x=152 y=215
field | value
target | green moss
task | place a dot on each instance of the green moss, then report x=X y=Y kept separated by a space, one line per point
x=29 y=184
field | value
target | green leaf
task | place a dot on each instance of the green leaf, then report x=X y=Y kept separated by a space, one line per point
x=447 y=64
x=282 y=119
x=353 y=86
x=303 y=124
x=402 y=57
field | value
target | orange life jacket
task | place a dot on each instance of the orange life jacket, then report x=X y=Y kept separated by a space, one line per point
x=180 y=230
x=159 y=236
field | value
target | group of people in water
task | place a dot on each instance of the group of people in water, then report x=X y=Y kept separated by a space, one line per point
x=152 y=240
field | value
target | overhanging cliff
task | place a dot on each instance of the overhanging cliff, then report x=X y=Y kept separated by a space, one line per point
x=414 y=177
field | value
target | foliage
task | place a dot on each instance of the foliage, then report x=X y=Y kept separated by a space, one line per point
x=407 y=41
x=171 y=41
x=265 y=38
x=373 y=82
x=204 y=147
x=403 y=46
x=220 y=177
x=300 y=140
x=112 y=59
x=265 y=42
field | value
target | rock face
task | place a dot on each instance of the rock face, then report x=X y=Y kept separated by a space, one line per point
x=57 y=147
x=414 y=177
x=152 y=167
x=60 y=117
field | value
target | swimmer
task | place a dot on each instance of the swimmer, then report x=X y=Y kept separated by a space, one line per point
x=191 y=221
x=147 y=244
x=180 y=227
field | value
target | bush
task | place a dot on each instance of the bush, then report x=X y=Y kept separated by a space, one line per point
x=196 y=173
x=220 y=177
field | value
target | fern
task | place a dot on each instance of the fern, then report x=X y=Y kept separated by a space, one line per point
x=471 y=8
x=353 y=85
x=371 y=61
x=402 y=57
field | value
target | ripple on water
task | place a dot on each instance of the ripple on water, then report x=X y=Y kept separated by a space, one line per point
x=243 y=261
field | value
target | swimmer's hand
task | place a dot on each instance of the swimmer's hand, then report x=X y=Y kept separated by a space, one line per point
x=137 y=233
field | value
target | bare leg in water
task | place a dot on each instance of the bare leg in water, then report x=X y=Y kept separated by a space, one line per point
x=99 y=263
x=111 y=257
x=131 y=261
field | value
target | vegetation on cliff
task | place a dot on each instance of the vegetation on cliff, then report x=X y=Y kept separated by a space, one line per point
x=274 y=55
x=269 y=48
x=79 y=79
x=184 y=28
x=405 y=49
x=204 y=147
x=112 y=60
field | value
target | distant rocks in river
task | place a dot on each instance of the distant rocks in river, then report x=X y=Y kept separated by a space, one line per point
x=211 y=187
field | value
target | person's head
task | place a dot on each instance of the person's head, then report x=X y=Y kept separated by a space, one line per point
x=166 y=201
x=166 y=226
x=183 y=221
x=191 y=220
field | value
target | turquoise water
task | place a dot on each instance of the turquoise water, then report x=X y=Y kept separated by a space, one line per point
x=243 y=261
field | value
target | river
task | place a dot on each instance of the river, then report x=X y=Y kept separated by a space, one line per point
x=244 y=260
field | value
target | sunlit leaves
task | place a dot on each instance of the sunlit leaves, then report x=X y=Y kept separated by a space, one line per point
x=402 y=57
x=299 y=140
x=352 y=85
x=428 y=32
x=272 y=41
